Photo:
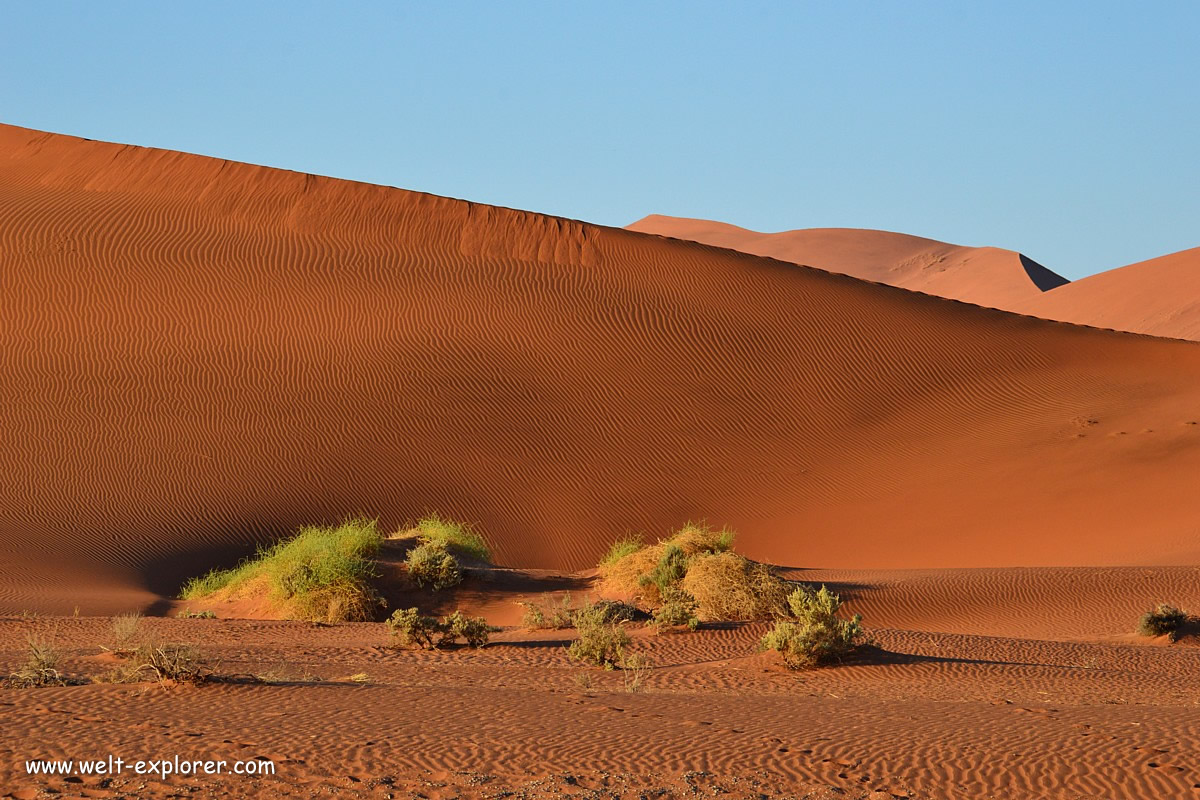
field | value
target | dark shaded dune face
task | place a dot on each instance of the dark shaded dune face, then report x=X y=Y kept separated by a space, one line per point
x=198 y=355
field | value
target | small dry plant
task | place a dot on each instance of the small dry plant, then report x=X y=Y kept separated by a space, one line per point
x=40 y=667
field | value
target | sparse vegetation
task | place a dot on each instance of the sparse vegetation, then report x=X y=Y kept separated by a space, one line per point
x=40 y=667
x=474 y=630
x=431 y=564
x=187 y=613
x=321 y=574
x=1162 y=620
x=814 y=634
x=411 y=628
x=600 y=642
x=125 y=631
x=634 y=668
x=162 y=662
x=678 y=610
x=560 y=614
x=550 y=614
x=625 y=546
x=456 y=537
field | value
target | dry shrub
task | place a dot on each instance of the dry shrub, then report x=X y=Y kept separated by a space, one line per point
x=1162 y=620
x=628 y=573
x=728 y=586
x=161 y=661
x=125 y=632
x=550 y=614
x=40 y=667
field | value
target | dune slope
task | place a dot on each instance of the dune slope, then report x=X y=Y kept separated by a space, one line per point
x=1160 y=297
x=986 y=276
x=198 y=355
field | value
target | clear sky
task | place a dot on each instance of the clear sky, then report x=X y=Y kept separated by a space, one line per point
x=1067 y=130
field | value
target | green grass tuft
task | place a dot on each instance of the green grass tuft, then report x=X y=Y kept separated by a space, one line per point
x=625 y=546
x=320 y=574
x=456 y=537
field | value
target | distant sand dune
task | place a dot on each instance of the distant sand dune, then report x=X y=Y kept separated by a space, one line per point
x=986 y=276
x=1159 y=297
x=198 y=355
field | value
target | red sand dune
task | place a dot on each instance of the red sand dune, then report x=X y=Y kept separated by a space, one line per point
x=986 y=276
x=197 y=355
x=1160 y=297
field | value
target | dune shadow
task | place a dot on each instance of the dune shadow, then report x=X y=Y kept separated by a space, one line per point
x=873 y=655
x=1042 y=278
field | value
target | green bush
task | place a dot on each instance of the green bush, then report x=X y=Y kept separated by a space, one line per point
x=321 y=574
x=600 y=642
x=678 y=610
x=814 y=635
x=1162 y=620
x=410 y=628
x=430 y=563
x=474 y=630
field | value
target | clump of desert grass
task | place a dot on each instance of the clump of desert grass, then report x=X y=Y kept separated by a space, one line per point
x=322 y=574
x=126 y=630
x=410 y=628
x=1163 y=620
x=434 y=559
x=700 y=562
x=813 y=634
x=40 y=667
x=458 y=538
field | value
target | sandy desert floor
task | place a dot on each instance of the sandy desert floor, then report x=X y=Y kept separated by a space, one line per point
x=980 y=684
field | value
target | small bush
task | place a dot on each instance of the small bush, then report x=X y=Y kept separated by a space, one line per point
x=633 y=670
x=601 y=643
x=320 y=574
x=1162 y=620
x=625 y=546
x=161 y=661
x=678 y=610
x=474 y=630
x=815 y=635
x=456 y=537
x=429 y=563
x=40 y=667
x=410 y=628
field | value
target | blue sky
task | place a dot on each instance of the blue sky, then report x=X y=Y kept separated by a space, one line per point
x=1066 y=130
